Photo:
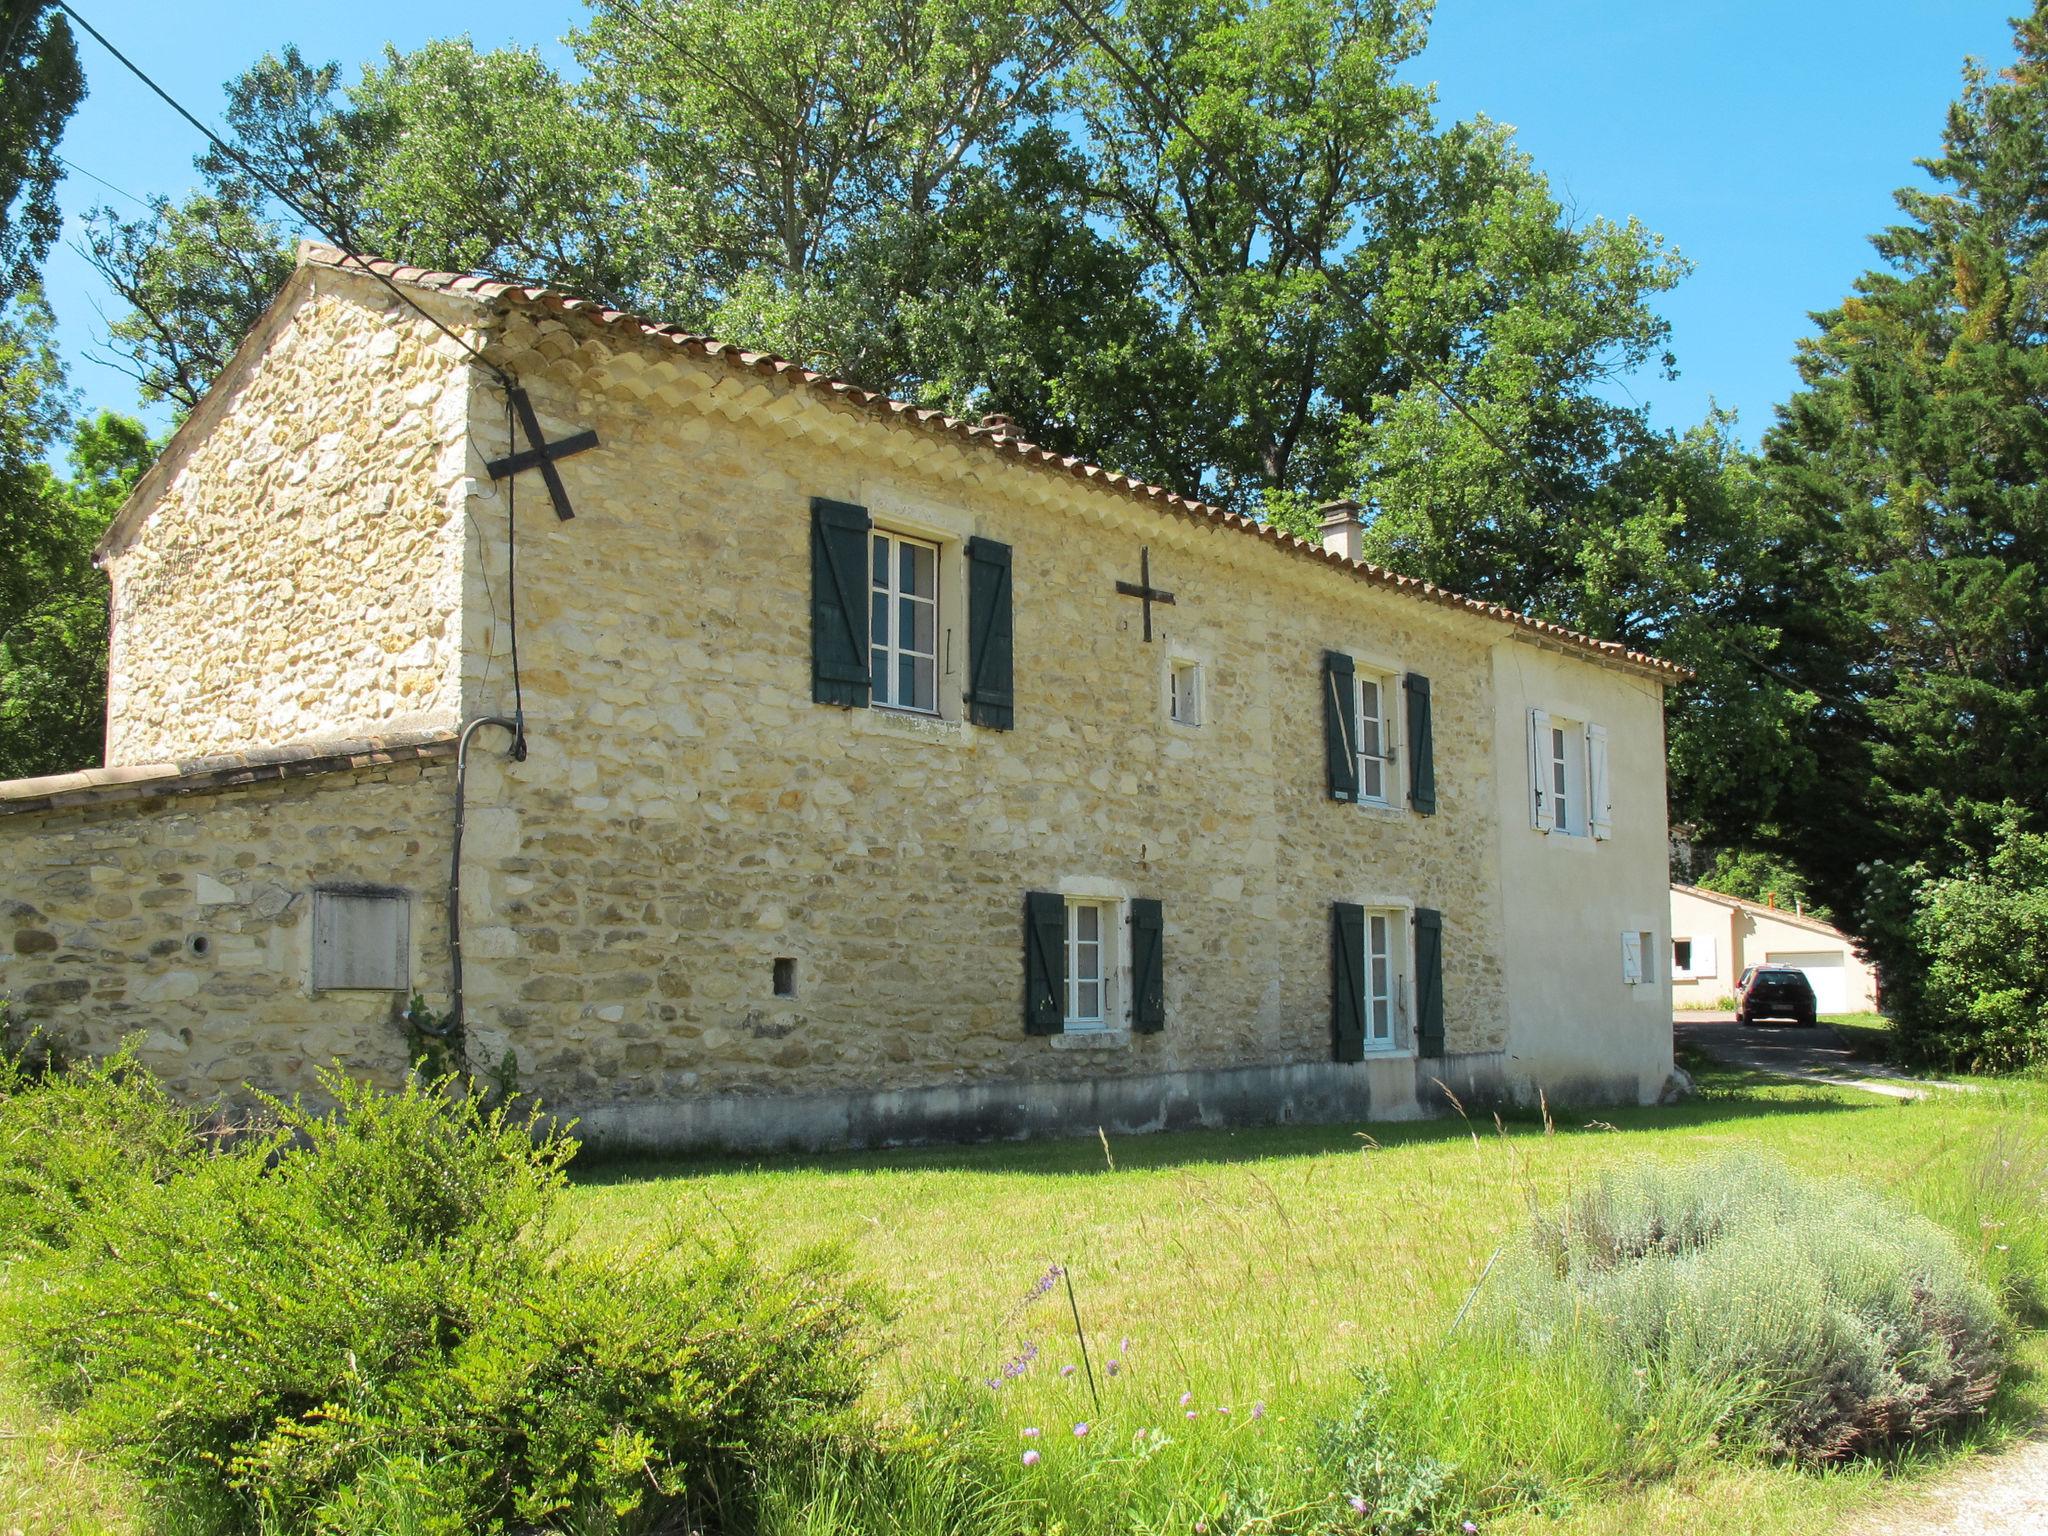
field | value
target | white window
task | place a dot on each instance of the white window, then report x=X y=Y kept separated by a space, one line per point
x=904 y=623
x=1386 y=978
x=1639 y=957
x=1091 y=963
x=1184 y=692
x=1561 y=764
x=1375 y=738
x=362 y=940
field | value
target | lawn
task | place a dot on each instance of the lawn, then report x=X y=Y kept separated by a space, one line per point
x=1251 y=1268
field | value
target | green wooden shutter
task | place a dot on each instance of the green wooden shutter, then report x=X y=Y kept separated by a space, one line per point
x=1429 y=982
x=1340 y=725
x=1045 y=963
x=1347 y=981
x=1421 y=745
x=1148 y=965
x=839 y=603
x=991 y=696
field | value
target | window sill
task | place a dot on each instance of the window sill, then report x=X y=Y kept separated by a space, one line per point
x=1389 y=1053
x=1092 y=1040
x=1381 y=808
x=906 y=725
x=1579 y=840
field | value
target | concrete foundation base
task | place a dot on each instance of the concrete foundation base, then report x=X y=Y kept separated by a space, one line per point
x=1302 y=1093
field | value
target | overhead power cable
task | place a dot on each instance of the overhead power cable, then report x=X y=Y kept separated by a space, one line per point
x=312 y=222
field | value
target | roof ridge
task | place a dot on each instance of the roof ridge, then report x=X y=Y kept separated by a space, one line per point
x=1800 y=919
x=999 y=439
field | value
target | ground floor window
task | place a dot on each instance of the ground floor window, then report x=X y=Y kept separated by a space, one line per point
x=1091 y=962
x=1681 y=957
x=1385 y=978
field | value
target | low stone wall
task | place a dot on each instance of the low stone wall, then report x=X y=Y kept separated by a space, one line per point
x=172 y=903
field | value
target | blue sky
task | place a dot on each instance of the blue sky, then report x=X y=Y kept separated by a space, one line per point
x=1762 y=137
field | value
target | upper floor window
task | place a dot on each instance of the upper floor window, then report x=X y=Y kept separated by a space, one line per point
x=903 y=606
x=1184 y=692
x=1568 y=776
x=1376 y=782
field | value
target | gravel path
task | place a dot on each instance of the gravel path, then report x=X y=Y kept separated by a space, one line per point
x=2007 y=1493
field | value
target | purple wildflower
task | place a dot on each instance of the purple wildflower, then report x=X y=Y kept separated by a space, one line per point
x=1186 y=1398
x=1113 y=1367
x=1031 y=1432
x=1224 y=1409
x=1081 y=1429
x=1192 y=1414
x=1031 y=1458
x=1125 y=1346
x=1066 y=1370
x=1258 y=1410
x=1044 y=1283
x=1470 y=1529
x=1358 y=1505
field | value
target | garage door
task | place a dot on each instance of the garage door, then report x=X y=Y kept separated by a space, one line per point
x=1828 y=973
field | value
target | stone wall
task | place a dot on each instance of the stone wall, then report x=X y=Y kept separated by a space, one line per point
x=183 y=919
x=292 y=567
x=688 y=814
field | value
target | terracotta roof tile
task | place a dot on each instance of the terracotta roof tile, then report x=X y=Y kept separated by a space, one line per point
x=997 y=440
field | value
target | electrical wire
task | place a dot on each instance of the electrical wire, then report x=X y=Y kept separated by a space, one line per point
x=502 y=375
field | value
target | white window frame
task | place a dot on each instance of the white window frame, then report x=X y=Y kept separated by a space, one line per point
x=1189 y=708
x=1110 y=958
x=891 y=646
x=1385 y=725
x=1399 y=915
x=1557 y=750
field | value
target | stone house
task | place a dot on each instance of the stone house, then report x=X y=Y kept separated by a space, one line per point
x=878 y=776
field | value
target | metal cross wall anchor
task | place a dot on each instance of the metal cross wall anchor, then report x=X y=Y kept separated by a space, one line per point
x=541 y=454
x=1143 y=589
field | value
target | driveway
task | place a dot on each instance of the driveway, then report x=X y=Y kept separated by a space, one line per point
x=1804 y=1055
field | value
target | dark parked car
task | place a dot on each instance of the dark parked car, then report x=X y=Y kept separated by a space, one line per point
x=1776 y=992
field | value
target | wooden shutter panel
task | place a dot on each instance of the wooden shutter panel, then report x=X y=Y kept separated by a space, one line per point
x=1045 y=963
x=1421 y=745
x=1599 y=798
x=1539 y=769
x=1148 y=965
x=1429 y=982
x=1340 y=725
x=839 y=603
x=1347 y=981
x=991 y=695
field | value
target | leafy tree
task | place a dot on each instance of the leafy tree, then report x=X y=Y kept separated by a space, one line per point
x=1757 y=876
x=1984 y=933
x=40 y=86
x=1912 y=462
x=53 y=603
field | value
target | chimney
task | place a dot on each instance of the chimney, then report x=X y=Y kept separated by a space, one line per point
x=996 y=422
x=1343 y=531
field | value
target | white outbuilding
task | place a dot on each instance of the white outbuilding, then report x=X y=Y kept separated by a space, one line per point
x=1714 y=938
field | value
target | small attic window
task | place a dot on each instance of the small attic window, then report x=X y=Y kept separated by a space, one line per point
x=362 y=939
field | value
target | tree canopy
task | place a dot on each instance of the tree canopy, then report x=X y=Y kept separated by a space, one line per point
x=40 y=87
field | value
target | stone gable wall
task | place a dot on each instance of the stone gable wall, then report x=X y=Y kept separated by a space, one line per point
x=299 y=572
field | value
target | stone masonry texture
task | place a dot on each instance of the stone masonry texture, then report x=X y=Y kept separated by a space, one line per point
x=331 y=556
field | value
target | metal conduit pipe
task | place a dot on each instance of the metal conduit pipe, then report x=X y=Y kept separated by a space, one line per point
x=453 y=1027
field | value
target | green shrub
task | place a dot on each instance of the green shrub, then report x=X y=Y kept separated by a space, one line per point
x=80 y=1135
x=1738 y=1303
x=367 y=1320
x=1982 y=996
